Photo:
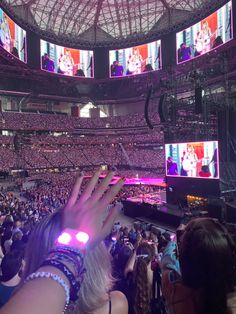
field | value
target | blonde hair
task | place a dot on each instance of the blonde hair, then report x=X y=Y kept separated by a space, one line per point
x=97 y=282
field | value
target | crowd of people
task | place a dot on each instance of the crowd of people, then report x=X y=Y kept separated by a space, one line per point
x=80 y=156
x=137 y=269
x=59 y=122
x=144 y=151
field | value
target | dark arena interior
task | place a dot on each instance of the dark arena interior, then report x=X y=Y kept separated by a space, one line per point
x=118 y=156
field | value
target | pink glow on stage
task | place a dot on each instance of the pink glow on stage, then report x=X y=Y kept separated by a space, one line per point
x=137 y=181
x=145 y=181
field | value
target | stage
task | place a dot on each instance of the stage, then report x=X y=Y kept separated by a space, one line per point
x=137 y=181
x=165 y=215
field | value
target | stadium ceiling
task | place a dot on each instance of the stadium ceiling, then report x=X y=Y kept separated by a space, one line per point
x=112 y=23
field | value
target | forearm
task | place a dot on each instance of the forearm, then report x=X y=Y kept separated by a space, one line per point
x=41 y=295
x=130 y=264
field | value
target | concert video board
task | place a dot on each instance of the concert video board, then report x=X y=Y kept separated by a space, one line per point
x=208 y=34
x=135 y=60
x=12 y=37
x=193 y=159
x=66 y=61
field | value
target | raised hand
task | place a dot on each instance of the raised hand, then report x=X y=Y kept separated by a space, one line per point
x=87 y=213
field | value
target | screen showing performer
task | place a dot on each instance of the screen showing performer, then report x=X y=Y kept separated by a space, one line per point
x=195 y=159
x=135 y=60
x=66 y=61
x=205 y=35
x=12 y=37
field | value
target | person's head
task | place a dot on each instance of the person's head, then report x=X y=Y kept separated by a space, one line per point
x=4 y=18
x=68 y=53
x=207 y=261
x=17 y=236
x=136 y=51
x=190 y=148
x=183 y=45
x=126 y=231
x=169 y=159
x=122 y=258
x=18 y=223
x=205 y=168
x=9 y=218
x=205 y=25
x=218 y=41
x=11 y=265
x=14 y=49
x=7 y=235
x=144 y=257
x=148 y=67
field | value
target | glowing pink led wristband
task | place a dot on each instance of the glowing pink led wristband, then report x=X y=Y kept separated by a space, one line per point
x=72 y=237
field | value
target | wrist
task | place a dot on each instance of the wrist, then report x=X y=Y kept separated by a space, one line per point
x=69 y=260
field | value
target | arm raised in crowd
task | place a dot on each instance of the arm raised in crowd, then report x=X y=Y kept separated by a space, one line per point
x=43 y=295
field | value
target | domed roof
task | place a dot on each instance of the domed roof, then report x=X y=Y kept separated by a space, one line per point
x=106 y=22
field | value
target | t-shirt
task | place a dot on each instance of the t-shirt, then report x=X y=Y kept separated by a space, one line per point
x=5 y=293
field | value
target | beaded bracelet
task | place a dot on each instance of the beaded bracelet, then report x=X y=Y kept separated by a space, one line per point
x=74 y=284
x=54 y=277
x=66 y=257
x=72 y=253
x=70 y=249
x=79 y=260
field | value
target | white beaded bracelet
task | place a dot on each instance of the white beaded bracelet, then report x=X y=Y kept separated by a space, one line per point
x=54 y=277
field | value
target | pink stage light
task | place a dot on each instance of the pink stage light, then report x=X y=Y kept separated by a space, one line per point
x=64 y=238
x=82 y=237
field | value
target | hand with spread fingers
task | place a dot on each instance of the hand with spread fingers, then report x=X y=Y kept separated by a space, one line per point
x=86 y=211
x=57 y=282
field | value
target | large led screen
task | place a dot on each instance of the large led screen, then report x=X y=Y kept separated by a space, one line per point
x=135 y=60
x=205 y=35
x=194 y=159
x=12 y=37
x=66 y=61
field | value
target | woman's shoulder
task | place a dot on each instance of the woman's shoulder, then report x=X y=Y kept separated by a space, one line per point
x=119 y=303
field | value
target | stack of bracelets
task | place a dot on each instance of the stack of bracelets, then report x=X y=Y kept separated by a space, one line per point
x=70 y=262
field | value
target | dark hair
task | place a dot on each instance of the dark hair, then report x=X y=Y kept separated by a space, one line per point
x=205 y=168
x=6 y=236
x=17 y=236
x=11 y=265
x=122 y=259
x=207 y=261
